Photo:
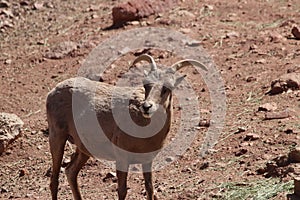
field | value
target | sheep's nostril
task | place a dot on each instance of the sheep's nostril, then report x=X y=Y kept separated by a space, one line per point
x=147 y=106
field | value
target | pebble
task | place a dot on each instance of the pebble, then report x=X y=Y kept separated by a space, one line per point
x=242 y=151
x=276 y=37
x=294 y=155
x=204 y=123
x=109 y=175
x=251 y=137
x=296 y=32
x=277 y=115
x=169 y=159
x=268 y=107
x=240 y=130
x=261 y=61
x=297 y=186
x=4 y=4
x=22 y=172
x=8 y=62
x=232 y=34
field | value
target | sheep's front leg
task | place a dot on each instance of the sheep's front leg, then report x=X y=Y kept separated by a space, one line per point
x=122 y=172
x=147 y=173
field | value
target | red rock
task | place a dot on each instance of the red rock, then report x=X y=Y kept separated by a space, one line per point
x=285 y=82
x=276 y=37
x=61 y=50
x=204 y=123
x=296 y=32
x=268 y=107
x=251 y=137
x=297 y=186
x=137 y=9
x=277 y=115
x=294 y=155
x=10 y=129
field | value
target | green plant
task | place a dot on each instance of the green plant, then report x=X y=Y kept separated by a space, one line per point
x=256 y=190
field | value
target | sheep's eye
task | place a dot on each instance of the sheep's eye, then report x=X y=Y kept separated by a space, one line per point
x=164 y=90
x=148 y=86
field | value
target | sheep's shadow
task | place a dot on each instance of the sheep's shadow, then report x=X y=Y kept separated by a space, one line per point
x=114 y=26
x=292 y=197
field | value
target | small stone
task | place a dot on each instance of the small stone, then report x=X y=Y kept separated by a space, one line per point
x=24 y=3
x=93 y=8
x=65 y=162
x=250 y=79
x=245 y=144
x=268 y=107
x=109 y=175
x=204 y=165
x=242 y=151
x=186 y=13
x=48 y=5
x=232 y=34
x=294 y=155
x=8 y=62
x=8 y=13
x=276 y=88
x=136 y=10
x=33 y=132
x=22 y=172
x=3 y=190
x=251 y=137
x=170 y=159
x=261 y=61
x=4 y=4
x=94 y=16
x=240 y=130
x=61 y=50
x=282 y=160
x=204 y=123
x=253 y=47
x=134 y=23
x=292 y=80
x=38 y=5
x=296 y=32
x=297 y=186
x=193 y=43
x=289 y=131
x=10 y=129
x=145 y=23
x=48 y=172
x=208 y=7
x=277 y=115
x=188 y=170
x=185 y=30
x=276 y=37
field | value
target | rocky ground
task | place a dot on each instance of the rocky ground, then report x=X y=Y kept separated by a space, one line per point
x=251 y=43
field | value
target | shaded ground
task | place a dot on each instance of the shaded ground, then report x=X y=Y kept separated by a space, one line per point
x=251 y=44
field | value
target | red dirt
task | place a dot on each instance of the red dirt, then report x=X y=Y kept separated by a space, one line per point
x=250 y=42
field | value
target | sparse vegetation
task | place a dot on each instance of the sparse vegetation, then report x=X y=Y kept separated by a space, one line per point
x=254 y=190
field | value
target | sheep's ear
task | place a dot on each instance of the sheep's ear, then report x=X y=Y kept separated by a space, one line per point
x=146 y=73
x=178 y=80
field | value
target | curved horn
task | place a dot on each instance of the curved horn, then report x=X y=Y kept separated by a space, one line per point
x=182 y=63
x=147 y=58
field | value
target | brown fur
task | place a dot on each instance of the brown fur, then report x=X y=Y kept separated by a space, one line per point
x=95 y=99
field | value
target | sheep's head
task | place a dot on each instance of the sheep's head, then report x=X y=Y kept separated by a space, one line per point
x=159 y=83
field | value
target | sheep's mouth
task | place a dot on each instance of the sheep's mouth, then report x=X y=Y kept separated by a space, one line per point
x=147 y=115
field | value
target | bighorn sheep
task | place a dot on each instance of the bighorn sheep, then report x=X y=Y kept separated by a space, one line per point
x=96 y=97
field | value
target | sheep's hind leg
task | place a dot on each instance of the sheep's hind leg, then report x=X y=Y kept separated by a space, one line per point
x=147 y=173
x=122 y=172
x=57 y=145
x=77 y=162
